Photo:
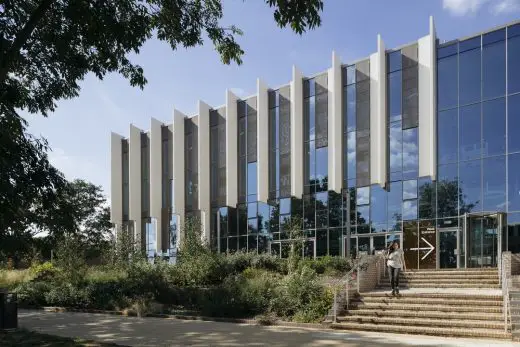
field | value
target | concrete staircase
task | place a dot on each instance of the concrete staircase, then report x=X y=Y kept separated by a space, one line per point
x=514 y=295
x=460 y=303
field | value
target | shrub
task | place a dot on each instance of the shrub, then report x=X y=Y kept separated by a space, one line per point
x=32 y=293
x=69 y=295
x=43 y=272
x=301 y=297
x=328 y=265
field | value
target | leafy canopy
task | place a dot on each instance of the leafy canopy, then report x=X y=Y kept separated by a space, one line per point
x=48 y=46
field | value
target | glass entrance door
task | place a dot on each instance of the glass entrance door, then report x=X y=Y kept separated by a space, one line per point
x=484 y=239
x=447 y=249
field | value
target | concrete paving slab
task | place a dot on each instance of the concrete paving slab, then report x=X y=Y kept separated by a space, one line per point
x=132 y=331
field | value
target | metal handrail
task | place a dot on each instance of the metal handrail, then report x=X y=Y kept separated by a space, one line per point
x=347 y=279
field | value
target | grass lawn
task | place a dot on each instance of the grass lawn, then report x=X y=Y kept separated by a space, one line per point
x=25 y=338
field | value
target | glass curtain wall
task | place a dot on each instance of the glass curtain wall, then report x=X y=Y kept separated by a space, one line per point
x=478 y=112
x=217 y=171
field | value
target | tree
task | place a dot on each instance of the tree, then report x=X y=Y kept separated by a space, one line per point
x=47 y=47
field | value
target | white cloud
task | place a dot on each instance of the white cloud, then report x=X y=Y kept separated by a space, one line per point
x=462 y=7
x=466 y=7
x=505 y=6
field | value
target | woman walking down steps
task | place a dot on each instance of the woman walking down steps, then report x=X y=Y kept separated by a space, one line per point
x=395 y=262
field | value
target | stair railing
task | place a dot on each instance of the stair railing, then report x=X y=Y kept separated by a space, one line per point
x=504 y=274
x=359 y=265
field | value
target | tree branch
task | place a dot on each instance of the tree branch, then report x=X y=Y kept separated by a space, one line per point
x=10 y=56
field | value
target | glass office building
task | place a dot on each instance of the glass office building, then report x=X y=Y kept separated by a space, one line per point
x=417 y=144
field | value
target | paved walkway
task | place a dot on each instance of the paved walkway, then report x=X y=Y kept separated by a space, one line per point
x=132 y=331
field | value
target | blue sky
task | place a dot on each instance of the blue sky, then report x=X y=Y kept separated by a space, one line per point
x=79 y=130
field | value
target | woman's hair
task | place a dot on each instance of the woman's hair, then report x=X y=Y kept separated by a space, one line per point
x=391 y=247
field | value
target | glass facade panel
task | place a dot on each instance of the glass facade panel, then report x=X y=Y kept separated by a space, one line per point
x=378 y=204
x=395 y=198
x=448 y=193
x=411 y=150
x=513 y=65
x=351 y=155
x=447 y=88
x=494 y=70
x=513 y=122
x=409 y=189
x=350 y=108
x=470 y=132
x=513 y=182
x=395 y=96
x=494 y=184
x=447 y=136
x=470 y=185
x=469 y=76
x=396 y=147
x=494 y=127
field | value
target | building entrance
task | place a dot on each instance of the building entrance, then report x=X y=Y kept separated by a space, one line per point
x=485 y=239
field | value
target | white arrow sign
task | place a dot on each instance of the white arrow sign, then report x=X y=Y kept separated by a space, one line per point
x=429 y=249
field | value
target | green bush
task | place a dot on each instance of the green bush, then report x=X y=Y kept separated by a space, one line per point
x=43 y=272
x=33 y=293
x=69 y=295
x=301 y=296
x=328 y=265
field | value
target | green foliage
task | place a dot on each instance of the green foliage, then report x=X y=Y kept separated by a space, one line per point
x=301 y=295
x=70 y=258
x=335 y=266
x=33 y=293
x=43 y=272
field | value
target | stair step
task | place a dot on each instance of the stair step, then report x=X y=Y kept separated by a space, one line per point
x=396 y=306
x=443 y=285
x=459 y=332
x=471 y=270
x=429 y=301
x=447 y=276
x=428 y=314
x=433 y=295
x=443 y=280
x=429 y=322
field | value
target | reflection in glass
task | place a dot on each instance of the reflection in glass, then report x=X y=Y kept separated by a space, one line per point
x=514 y=182
x=409 y=189
x=427 y=197
x=363 y=215
x=350 y=108
x=513 y=122
x=322 y=166
x=395 y=198
x=447 y=82
x=494 y=127
x=351 y=155
x=394 y=96
x=378 y=203
x=409 y=209
x=448 y=193
x=363 y=196
x=494 y=184
x=410 y=149
x=252 y=180
x=513 y=232
x=470 y=185
x=469 y=132
x=469 y=77
x=494 y=70
x=513 y=65
x=447 y=136
x=394 y=61
x=335 y=242
x=396 y=147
